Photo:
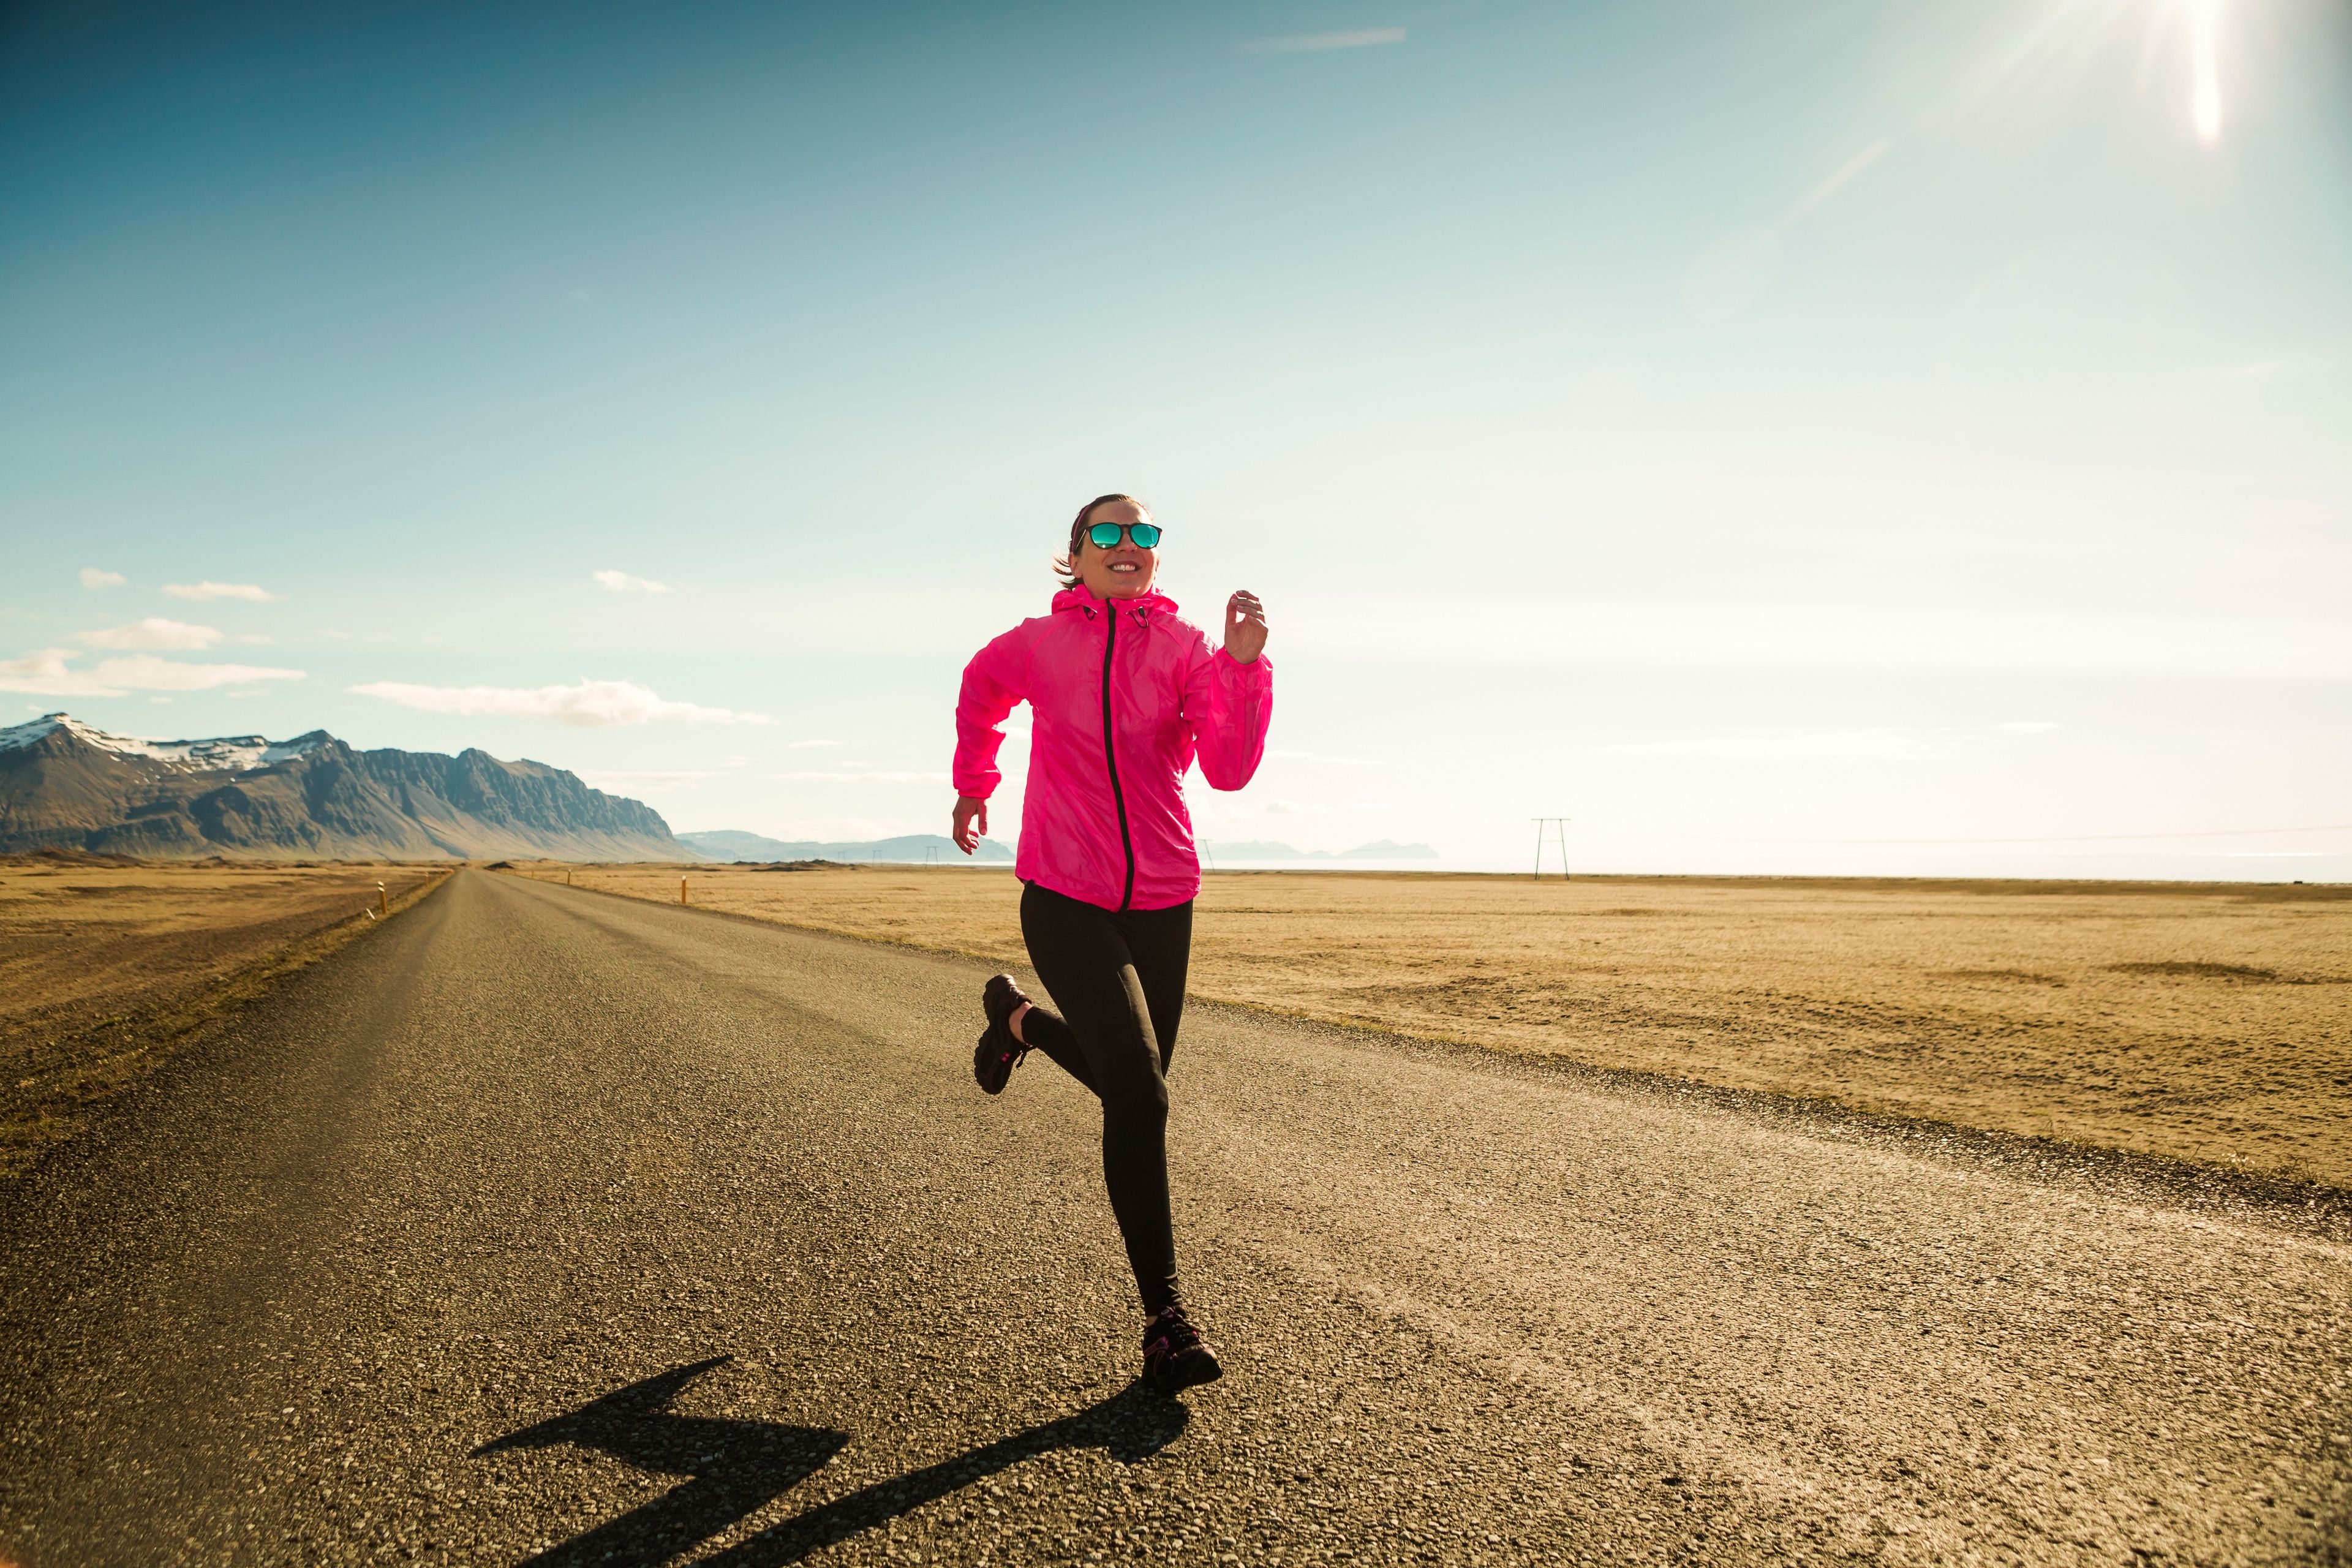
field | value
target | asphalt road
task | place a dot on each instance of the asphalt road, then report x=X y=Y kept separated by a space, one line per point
x=547 y=1226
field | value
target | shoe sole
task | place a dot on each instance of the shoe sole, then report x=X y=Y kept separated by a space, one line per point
x=980 y=1054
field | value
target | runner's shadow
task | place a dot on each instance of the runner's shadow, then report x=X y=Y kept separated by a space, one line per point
x=739 y=1466
x=1131 y=1425
x=736 y=1466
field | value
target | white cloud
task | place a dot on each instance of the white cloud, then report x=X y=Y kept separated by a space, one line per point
x=153 y=632
x=218 y=591
x=1335 y=762
x=622 y=583
x=588 y=703
x=644 y=782
x=1841 y=745
x=1689 y=634
x=641 y=776
x=805 y=745
x=1829 y=745
x=94 y=577
x=887 y=776
x=836 y=829
x=1307 y=43
x=44 y=673
x=145 y=672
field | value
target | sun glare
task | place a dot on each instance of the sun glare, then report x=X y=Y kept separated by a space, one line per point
x=2052 y=46
x=2204 y=68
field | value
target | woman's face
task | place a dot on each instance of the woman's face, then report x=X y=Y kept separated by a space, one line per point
x=1122 y=572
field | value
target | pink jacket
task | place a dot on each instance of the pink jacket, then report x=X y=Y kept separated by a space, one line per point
x=1107 y=823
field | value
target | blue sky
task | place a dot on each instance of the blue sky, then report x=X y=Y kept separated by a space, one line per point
x=1810 y=436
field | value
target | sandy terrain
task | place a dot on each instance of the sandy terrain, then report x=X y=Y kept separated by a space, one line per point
x=2206 y=1022
x=104 y=964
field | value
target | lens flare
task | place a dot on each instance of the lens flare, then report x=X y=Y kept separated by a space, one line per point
x=2204 y=68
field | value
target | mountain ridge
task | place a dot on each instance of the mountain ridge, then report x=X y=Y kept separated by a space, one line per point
x=65 y=784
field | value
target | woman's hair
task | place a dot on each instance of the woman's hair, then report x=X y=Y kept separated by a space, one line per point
x=1066 y=567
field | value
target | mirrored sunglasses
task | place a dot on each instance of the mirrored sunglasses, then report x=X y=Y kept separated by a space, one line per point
x=1143 y=535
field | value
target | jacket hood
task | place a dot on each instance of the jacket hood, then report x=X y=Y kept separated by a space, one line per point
x=1082 y=598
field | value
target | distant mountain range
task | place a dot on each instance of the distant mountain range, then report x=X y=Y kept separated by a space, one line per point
x=919 y=849
x=1379 y=849
x=914 y=849
x=64 y=784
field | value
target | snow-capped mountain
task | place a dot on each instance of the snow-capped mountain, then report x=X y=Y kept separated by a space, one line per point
x=67 y=785
x=234 y=752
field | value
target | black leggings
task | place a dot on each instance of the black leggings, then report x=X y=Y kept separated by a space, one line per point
x=1118 y=979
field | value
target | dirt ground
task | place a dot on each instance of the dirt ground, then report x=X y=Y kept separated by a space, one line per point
x=2208 y=1022
x=104 y=964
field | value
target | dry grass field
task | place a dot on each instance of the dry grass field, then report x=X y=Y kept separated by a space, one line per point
x=2204 y=1021
x=105 y=965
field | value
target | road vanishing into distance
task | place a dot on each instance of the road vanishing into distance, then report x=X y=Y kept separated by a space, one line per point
x=545 y=1225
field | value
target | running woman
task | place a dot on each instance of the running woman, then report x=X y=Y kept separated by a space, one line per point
x=1126 y=697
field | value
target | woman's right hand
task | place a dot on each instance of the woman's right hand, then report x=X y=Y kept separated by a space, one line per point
x=970 y=822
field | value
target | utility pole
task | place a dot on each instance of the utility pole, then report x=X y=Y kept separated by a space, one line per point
x=1552 y=829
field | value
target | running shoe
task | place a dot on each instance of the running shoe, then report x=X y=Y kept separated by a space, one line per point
x=998 y=1053
x=1174 y=1357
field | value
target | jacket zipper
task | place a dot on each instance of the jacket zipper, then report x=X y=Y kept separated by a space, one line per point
x=1110 y=757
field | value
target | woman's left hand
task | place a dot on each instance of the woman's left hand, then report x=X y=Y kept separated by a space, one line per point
x=1245 y=627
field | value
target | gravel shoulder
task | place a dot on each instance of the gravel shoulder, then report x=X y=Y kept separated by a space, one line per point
x=545 y=1226
x=108 y=965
